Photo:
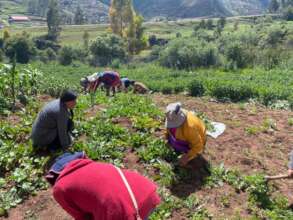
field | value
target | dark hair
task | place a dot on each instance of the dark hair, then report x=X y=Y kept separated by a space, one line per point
x=67 y=96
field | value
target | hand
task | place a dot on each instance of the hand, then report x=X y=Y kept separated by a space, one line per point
x=290 y=173
x=183 y=160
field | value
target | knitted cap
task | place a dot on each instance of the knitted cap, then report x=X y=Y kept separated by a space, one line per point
x=68 y=96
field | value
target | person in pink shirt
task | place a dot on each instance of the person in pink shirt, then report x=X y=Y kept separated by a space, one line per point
x=90 y=190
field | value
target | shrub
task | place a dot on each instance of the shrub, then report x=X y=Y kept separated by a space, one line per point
x=1 y=43
x=80 y=54
x=275 y=36
x=43 y=43
x=106 y=48
x=238 y=55
x=167 y=89
x=288 y=14
x=232 y=91
x=1 y=55
x=196 y=88
x=21 y=47
x=66 y=55
x=189 y=53
x=155 y=53
x=50 y=53
x=115 y=63
x=178 y=88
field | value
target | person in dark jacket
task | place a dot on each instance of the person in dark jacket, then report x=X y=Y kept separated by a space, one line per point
x=52 y=127
x=125 y=84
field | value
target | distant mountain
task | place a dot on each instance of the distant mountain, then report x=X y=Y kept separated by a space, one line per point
x=97 y=10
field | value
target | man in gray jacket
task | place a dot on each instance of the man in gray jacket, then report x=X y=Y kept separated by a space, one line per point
x=51 y=129
x=290 y=171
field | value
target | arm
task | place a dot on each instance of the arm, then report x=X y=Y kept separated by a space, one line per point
x=63 y=133
x=196 y=144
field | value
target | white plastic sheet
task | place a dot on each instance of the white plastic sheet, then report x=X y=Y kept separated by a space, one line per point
x=219 y=129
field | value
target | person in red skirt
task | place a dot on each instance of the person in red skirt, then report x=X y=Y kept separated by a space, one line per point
x=110 y=79
x=90 y=190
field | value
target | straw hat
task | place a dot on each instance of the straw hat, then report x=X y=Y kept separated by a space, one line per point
x=175 y=115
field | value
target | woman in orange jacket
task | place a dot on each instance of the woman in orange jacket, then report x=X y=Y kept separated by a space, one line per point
x=186 y=133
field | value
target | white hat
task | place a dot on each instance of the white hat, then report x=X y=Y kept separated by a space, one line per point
x=175 y=115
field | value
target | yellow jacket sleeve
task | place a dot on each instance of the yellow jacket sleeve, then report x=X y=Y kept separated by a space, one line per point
x=196 y=144
x=192 y=131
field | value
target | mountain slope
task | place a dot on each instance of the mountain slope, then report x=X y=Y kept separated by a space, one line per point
x=97 y=10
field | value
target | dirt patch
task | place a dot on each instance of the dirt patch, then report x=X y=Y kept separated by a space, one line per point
x=248 y=144
x=44 y=98
x=224 y=201
x=94 y=110
x=123 y=122
x=13 y=119
x=43 y=206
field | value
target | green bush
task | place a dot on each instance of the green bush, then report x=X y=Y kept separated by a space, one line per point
x=20 y=47
x=50 y=53
x=237 y=54
x=167 y=89
x=288 y=14
x=115 y=63
x=80 y=54
x=233 y=91
x=66 y=55
x=196 y=88
x=189 y=53
x=107 y=48
x=1 y=55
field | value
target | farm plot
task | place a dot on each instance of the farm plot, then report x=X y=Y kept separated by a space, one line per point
x=226 y=182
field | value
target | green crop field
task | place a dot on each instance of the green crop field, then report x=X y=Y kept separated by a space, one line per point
x=240 y=75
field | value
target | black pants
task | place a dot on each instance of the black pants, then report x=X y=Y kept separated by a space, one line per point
x=55 y=144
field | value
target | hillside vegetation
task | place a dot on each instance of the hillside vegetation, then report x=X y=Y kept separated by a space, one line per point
x=97 y=10
x=235 y=71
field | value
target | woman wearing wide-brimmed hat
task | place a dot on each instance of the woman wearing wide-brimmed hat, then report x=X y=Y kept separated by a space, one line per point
x=186 y=133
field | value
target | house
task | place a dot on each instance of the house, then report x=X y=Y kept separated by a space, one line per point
x=18 y=19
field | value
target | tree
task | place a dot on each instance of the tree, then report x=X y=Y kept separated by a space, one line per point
x=79 y=17
x=19 y=47
x=274 y=6
x=136 y=39
x=107 y=48
x=66 y=55
x=121 y=16
x=221 y=22
x=125 y=23
x=85 y=38
x=202 y=24
x=209 y=24
x=220 y=25
x=53 y=21
x=42 y=7
x=288 y=14
x=32 y=7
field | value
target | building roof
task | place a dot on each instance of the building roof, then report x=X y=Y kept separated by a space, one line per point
x=19 y=18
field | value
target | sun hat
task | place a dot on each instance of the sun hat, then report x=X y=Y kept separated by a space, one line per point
x=175 y=115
